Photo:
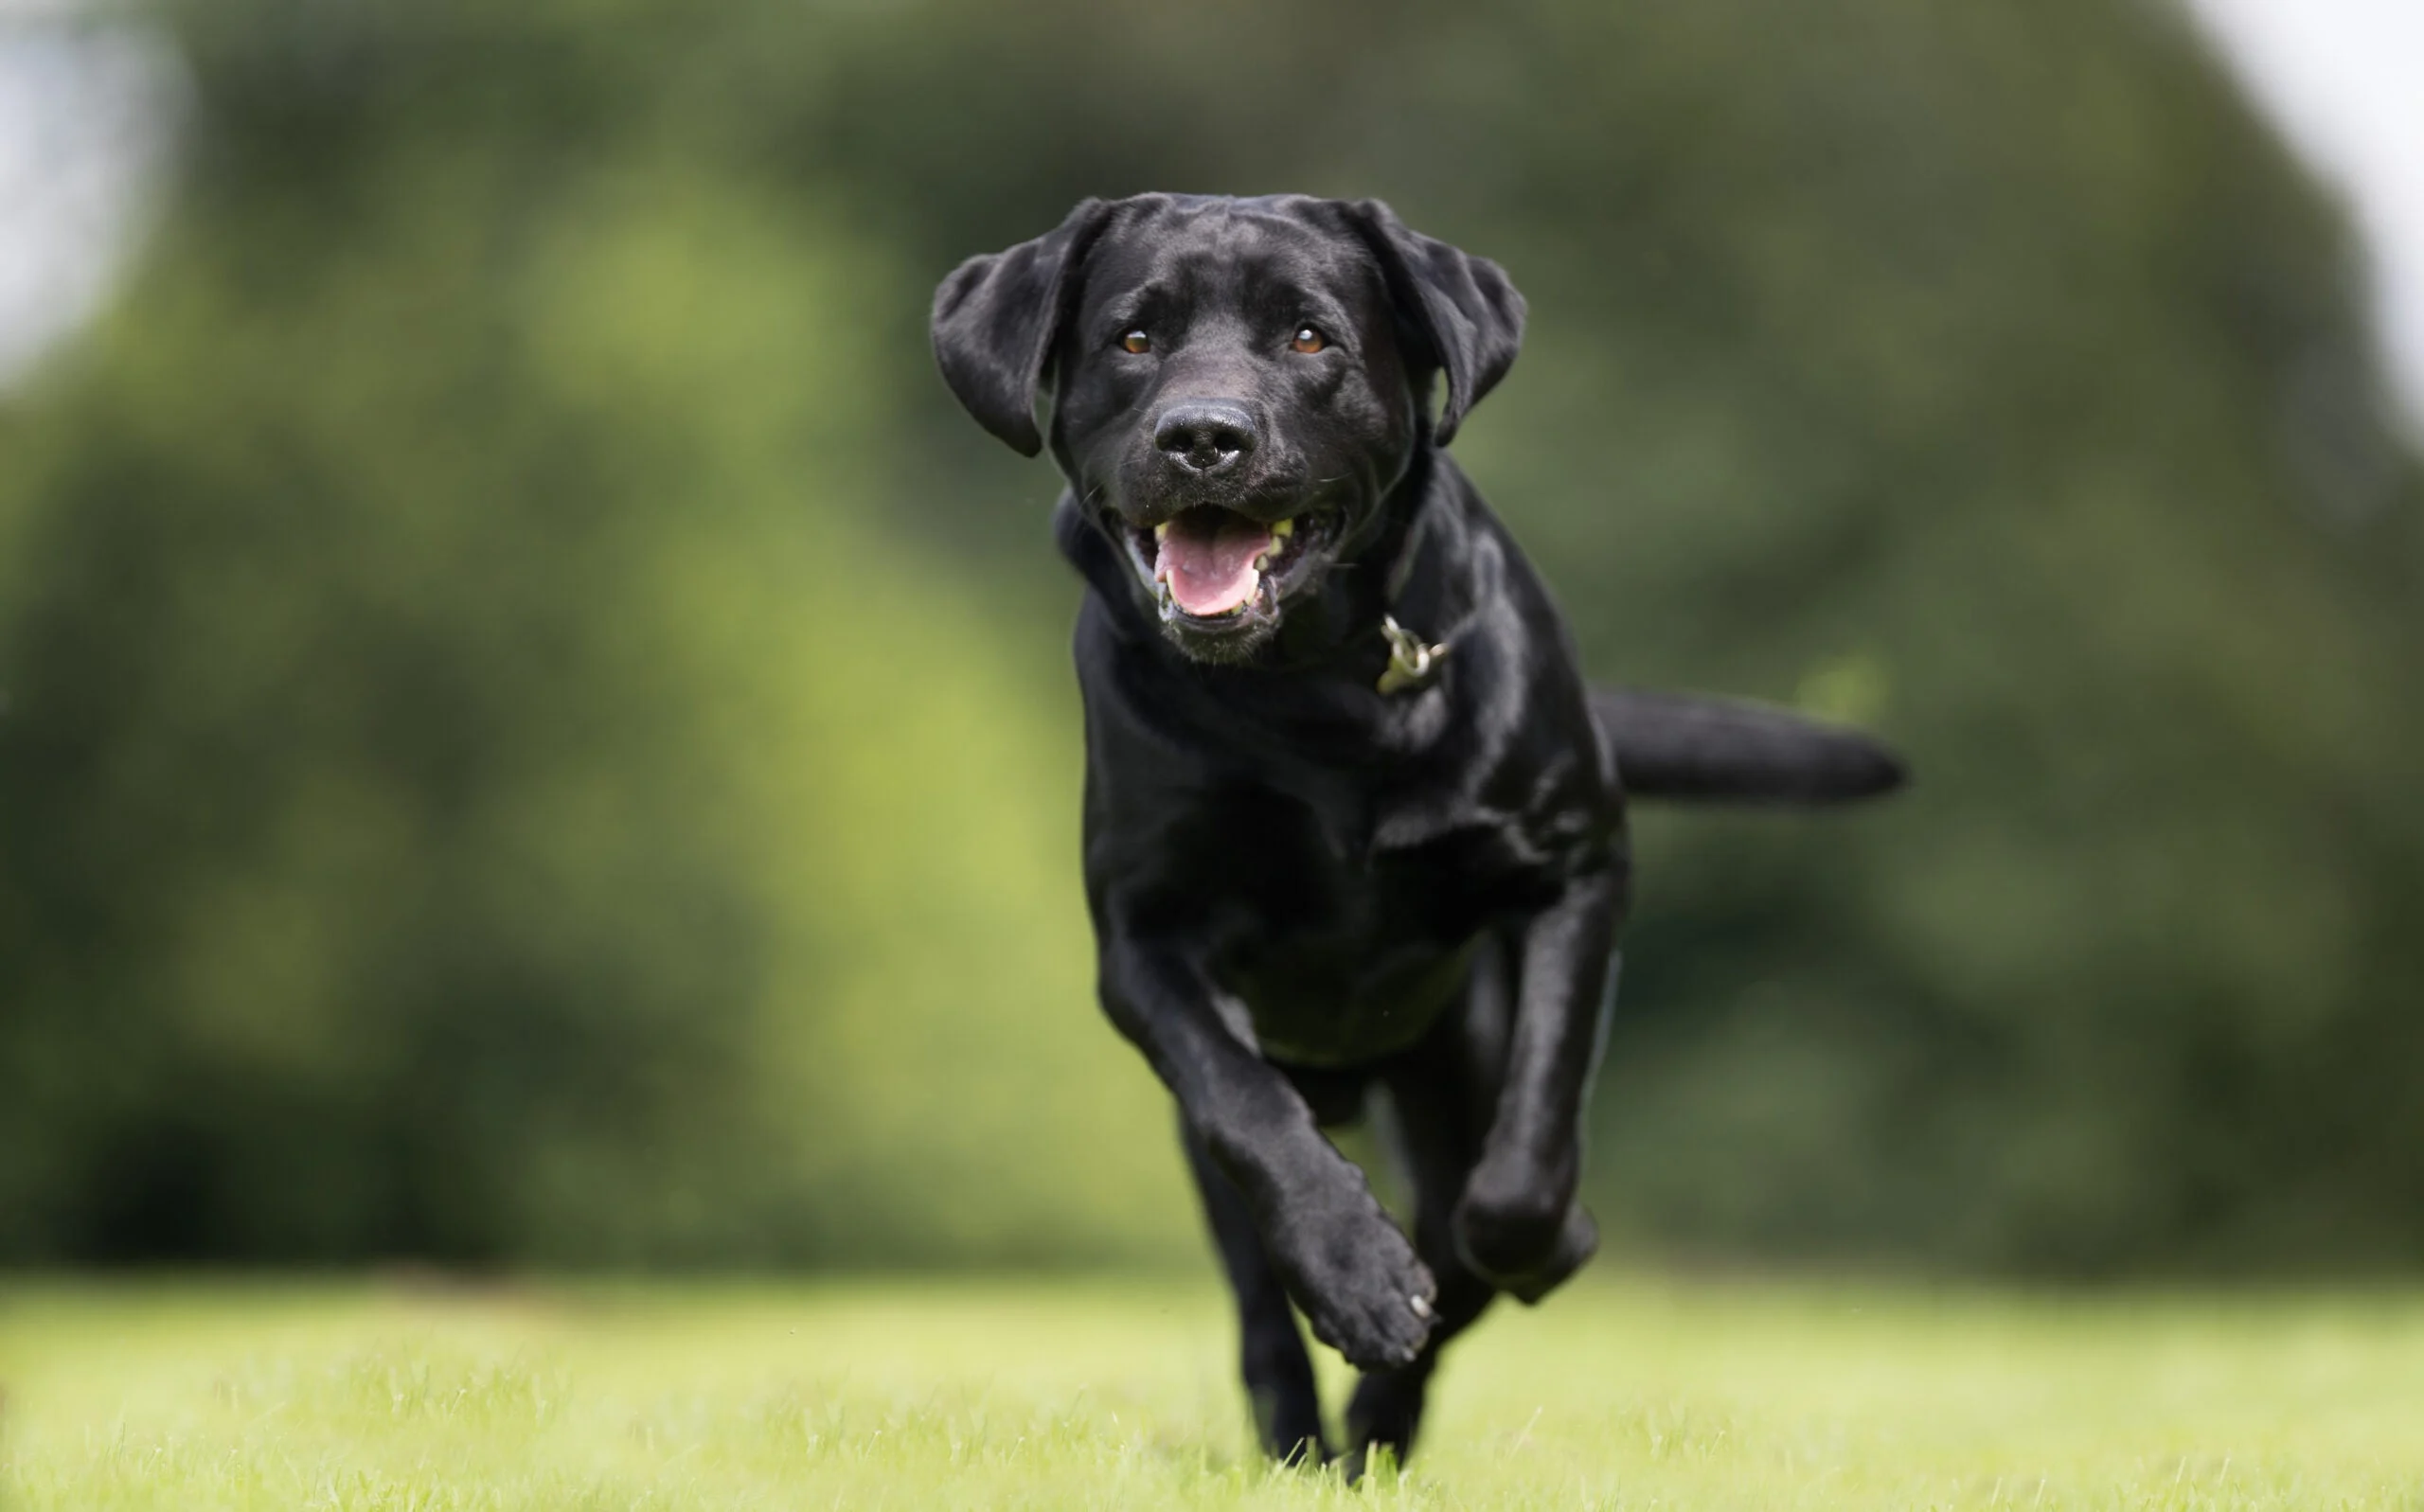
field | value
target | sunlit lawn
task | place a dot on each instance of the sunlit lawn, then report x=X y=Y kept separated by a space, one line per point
x=1118 y=1395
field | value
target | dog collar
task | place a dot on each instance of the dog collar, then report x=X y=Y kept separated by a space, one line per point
x=1411 y=657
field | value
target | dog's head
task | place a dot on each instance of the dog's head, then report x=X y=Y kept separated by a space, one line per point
x=1236 y=385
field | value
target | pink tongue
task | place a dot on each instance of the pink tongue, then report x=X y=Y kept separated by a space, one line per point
x=1207 y=558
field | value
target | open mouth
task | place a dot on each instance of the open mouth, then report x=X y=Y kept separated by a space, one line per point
x=1210 y=564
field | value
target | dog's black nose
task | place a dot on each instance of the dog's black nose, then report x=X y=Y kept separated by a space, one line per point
x=1204 y=435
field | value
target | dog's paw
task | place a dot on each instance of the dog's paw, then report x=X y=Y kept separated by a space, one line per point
x=1361 y=1287
x=1523 y=1239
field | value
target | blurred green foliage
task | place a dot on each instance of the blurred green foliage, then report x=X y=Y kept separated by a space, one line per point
x=535 y=733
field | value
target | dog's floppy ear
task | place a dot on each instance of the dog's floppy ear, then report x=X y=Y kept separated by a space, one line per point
x=995 y=319
x=1471 y=315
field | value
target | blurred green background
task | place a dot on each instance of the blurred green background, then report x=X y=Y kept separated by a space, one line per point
x=535 y=734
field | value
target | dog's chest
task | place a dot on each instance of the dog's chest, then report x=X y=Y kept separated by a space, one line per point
x=1354 y=926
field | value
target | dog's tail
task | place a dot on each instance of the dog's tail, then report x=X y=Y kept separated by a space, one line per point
x=1713 y=750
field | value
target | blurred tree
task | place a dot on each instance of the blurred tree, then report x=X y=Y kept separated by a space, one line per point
x=478 y=783
x=535 y=729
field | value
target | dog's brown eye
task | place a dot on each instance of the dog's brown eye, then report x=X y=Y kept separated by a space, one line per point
x=1308 y=340
x=1136 y=341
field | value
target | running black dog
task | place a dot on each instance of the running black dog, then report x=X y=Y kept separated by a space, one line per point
x=1352 y=818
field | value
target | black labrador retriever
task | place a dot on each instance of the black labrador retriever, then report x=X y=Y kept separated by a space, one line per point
x=1352 y=817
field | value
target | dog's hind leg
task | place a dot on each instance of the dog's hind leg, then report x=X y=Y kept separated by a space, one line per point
x=1386 y=1410
x=1440 y=1094
x=1279 y=1373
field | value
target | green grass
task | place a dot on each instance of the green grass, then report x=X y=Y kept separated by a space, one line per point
x=1118 y=1395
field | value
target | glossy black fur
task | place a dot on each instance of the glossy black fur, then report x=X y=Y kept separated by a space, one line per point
x=1304 y=889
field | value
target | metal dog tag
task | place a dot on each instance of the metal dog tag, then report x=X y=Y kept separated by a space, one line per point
x=1409 y=659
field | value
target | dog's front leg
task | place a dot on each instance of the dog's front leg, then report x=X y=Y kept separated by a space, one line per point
x=1518 y=1224
x=1338 y=1254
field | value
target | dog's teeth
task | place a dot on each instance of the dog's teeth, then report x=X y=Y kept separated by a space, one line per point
x=1162 y=531
x=1280 y=531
